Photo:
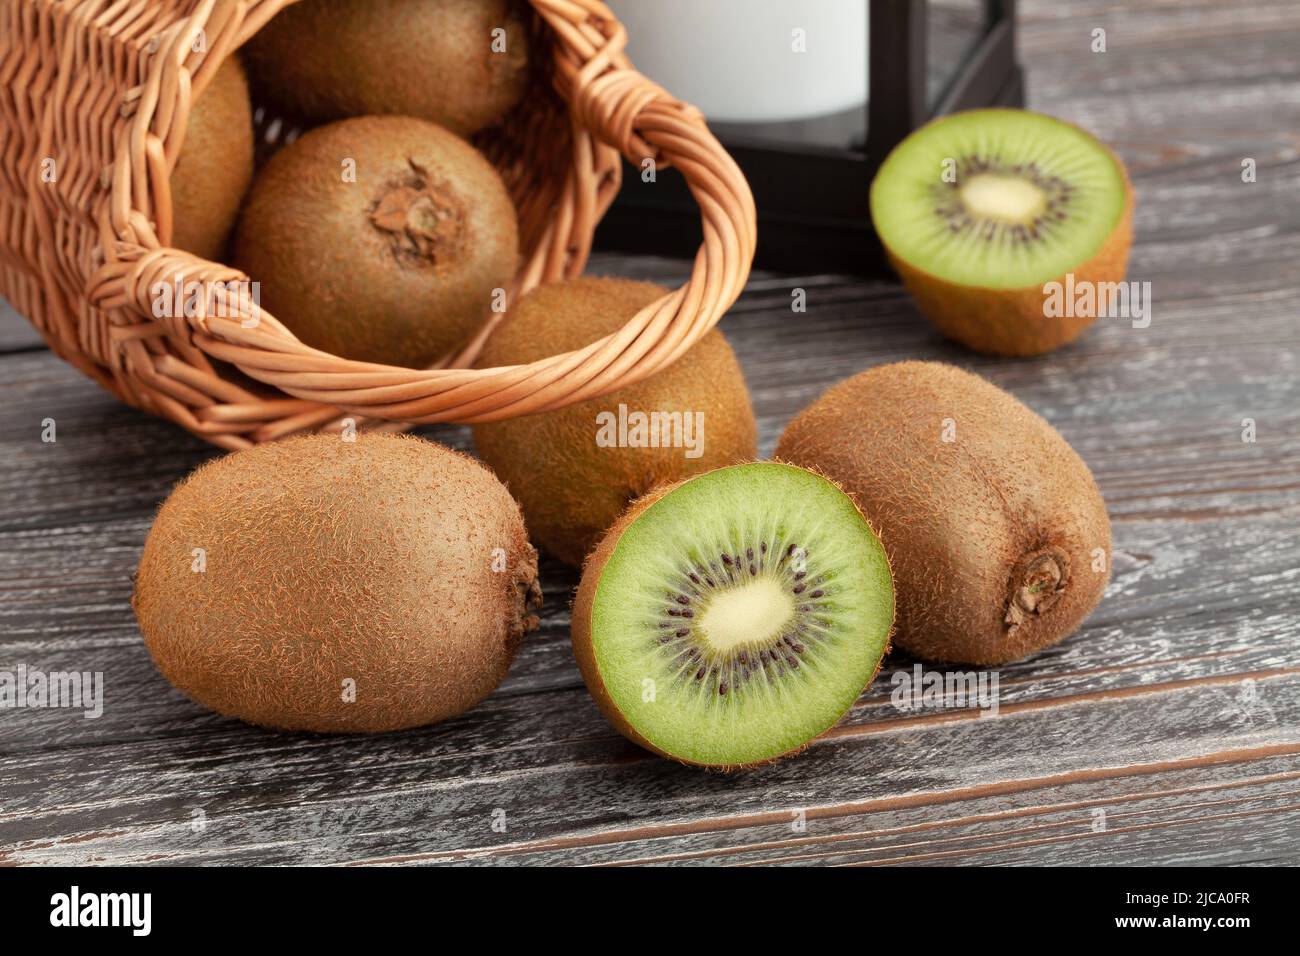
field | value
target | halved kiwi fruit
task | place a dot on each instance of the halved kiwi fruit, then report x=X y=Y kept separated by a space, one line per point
x=440 y=60
x=731 y=618
x=215 y=167
x=979 y=210
x=340 y=586
x=380 y=238
x=572 y=483
x=996 y=531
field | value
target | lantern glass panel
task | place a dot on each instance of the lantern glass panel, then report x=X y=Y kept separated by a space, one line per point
x=953 y=29
x=784 y=72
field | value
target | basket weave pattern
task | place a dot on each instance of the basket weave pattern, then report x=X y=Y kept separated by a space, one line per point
x=96 y=100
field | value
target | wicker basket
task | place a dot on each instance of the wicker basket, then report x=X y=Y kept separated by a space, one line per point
x=97 y=94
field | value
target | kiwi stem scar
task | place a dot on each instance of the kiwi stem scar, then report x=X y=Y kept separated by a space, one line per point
x=421 y=219
x=1038 y=582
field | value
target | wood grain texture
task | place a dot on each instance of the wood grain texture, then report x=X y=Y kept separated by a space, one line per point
x=1167 y=730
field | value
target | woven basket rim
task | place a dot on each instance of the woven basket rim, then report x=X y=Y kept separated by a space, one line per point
x=165 y=365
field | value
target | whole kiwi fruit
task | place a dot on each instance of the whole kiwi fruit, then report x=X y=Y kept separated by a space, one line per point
x=439 y=60
x=570 y=478
x=997 y=534
x=380 y=238
x=341 y=586
x=215 y=166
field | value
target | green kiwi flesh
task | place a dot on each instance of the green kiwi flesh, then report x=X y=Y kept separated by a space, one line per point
x=997 y=534
x=731 y=618
x=382 y=239
x=1028 y=198
x=387 y=568
x=323 y=60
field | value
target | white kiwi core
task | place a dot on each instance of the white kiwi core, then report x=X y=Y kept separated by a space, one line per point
x=752 y=614
x=1006 y=199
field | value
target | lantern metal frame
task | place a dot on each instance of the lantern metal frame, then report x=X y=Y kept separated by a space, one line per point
x=812 y=199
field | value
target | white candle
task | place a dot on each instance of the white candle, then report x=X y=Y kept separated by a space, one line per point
x=752 y=60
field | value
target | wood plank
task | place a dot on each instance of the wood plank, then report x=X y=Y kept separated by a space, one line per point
x=421 y=796
x=1175 y=711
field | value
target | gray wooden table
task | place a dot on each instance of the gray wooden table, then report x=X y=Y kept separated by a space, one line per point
x=1167 y=730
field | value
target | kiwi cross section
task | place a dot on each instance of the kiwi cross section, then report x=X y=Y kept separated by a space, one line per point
x=735 y=616
x=997 y=198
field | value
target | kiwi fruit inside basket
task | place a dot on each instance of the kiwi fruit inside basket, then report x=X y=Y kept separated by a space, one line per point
x=379 y=238
x=215 y=167
x=460 y=63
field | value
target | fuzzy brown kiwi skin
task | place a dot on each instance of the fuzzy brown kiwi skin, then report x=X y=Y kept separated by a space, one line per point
x=584 y=649
x=990 y=537
x=324 y=60
x=215 y=167
x=570 y=489
x=398 y=267
x=1010 y=322
x=327 y=560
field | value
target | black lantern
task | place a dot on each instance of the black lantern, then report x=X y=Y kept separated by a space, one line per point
x=810 y=177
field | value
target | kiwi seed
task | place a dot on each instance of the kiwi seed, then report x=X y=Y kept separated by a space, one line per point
x=996 y=532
